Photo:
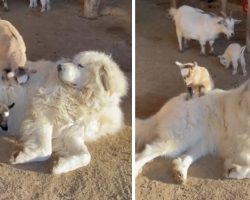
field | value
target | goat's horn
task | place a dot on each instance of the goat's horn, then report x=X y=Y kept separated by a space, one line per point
x=11 y=105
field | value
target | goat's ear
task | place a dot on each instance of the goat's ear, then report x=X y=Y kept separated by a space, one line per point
x=179 y=64
x=11 y=105
x=104 y=78
x=222 y=21
x=195 y=64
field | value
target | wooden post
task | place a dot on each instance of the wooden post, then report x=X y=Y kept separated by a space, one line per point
x=248 y=28
x=224 y=6
x=174 y=3
x=91 y=8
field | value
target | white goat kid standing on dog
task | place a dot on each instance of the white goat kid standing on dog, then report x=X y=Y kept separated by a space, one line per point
x=193 y=23
x=234 y=54
x=197 y=79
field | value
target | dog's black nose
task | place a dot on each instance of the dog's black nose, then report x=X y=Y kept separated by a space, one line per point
x=59 y=67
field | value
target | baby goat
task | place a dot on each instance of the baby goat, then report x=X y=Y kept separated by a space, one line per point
x=233 y=55
x=196 y=78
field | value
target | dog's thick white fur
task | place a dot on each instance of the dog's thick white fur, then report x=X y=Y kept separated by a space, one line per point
x=12 y=47
x=79 y=102
x=217 y=123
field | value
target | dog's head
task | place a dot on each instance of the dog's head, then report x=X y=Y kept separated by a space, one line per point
x=93 y=70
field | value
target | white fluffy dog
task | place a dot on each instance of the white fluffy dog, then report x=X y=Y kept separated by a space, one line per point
x=217 y=123
x=79 y=103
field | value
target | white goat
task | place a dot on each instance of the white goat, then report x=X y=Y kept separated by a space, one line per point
x=197 y=79
x=193 y=23
x=12 y=47
x=233 y=55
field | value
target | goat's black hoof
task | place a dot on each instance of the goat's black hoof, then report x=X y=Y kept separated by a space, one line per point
x=6 y=9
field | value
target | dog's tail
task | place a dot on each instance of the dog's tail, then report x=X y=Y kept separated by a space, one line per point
x=20 y=41
x=144 y=132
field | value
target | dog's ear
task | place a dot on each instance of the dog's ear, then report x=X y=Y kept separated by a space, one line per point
x=103 y=74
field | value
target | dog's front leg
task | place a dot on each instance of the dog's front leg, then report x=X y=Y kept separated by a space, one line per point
x=72 y=151
x=37 y=146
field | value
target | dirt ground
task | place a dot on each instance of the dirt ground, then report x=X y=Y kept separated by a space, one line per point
x=62 y=33
x=158 y=79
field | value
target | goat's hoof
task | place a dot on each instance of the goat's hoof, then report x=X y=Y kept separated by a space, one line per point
x=181 y=51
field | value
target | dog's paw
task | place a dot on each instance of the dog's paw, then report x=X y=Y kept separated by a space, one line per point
x=66 y=164
x=178 y=176
x=17 y=157
x=232 y=172
x=179 y=172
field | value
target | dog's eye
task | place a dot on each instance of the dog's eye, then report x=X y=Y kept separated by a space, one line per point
x=79 y=65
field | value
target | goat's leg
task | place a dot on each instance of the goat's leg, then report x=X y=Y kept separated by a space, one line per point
x=179 y=37
x=235 y=66
x=203 y=47
x=5 y=5
x=211 y=43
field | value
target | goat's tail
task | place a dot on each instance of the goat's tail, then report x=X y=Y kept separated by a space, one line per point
x=243 y=50
x=242 y=58
x=144 y=132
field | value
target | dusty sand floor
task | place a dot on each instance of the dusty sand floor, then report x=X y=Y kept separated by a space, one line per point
x=62 y=33
x=157 y=80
